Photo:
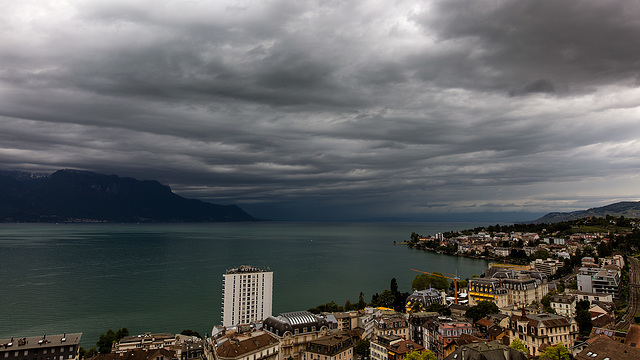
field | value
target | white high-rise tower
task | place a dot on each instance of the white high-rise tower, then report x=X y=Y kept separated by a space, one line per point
x=246 y=295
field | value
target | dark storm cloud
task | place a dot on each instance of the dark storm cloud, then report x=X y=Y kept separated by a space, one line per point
x=507 y=44
x=324 y=109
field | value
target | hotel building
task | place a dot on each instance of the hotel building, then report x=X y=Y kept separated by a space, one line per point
x=246 y=295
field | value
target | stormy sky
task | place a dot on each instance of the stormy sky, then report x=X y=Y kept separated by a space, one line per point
x=325 y=110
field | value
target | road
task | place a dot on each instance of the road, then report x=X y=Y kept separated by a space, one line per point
x=634 y=296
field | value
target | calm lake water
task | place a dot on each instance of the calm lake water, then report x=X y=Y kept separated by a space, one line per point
x=87 y=278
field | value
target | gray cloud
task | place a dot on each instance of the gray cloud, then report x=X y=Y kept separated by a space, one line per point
x=321 y=110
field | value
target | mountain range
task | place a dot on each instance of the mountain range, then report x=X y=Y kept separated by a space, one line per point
x=82 y=196
x=628 y=209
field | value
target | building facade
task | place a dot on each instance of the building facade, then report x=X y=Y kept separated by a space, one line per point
x=295 y=330
x=243 y=344
x=148 y=341
x=564 y=305
x=537 y=329
x=246 y=295
x=336 y=346
x=46 y=347
x=600 y=281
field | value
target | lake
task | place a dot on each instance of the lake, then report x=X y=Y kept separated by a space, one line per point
x=88 y=278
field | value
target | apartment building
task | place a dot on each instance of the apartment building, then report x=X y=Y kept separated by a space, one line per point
x=246 y=295
x=537 y=329
x=147 y=341
x=393 y=324
x=294 y=330
x=440 y=332
x=243 y=343
x=548 y=267
x=564 y=305
x=599 y=281
x=392 y=347
x=336 y=346
x=46 y=347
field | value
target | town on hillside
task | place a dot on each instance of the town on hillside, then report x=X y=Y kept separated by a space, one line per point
x=561 y=291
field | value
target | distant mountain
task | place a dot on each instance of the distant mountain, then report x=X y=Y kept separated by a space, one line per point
x=628 y=209
x=82 y=196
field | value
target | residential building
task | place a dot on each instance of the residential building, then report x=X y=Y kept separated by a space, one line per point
x=599 y=281
x=346 y=320
x=148 y=341
x=493 y=350
x=392 y=347
x=538 y=329
x=46 y=347
x=604 y=348
x=416 y=328
x=391 y=324
x=242 y=343
x=547 y=267
x=294 y=330
x=441 y=332
x=190 y=349
x=139 y=354
x=589 y=296
x=246 y=295
x=335 y=346
x=366 y=322
x=564 y=305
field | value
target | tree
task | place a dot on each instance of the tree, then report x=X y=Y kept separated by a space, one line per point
x=385 y=299
x=86 y=354
x=482 y=309
x=439 y=308
x=362 y=347
x=361 y=303
x=425 y=355
x=348 y=306
x=541 y=254
x=558 y=352
x=519 y=345
x=583 y=317
x=106 y=341
x=394 y=286
x=425 y=281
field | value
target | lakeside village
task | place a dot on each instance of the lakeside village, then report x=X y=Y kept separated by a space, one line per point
x=558 y=292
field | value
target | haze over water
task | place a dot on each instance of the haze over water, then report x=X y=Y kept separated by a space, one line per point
x=88 y=278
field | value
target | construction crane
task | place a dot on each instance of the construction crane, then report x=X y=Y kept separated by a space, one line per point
x=453 y=277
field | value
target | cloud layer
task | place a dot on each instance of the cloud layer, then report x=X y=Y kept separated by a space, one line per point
x=332 y=109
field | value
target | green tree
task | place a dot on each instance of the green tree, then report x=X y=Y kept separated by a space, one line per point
x=348 y=306
x=541 y=254
x=425 y=355
x=519 y=345
x=394 y=286
x=425 y=281
x=386 y=299
x=482 y=309
x=361 y=303
x=583 y=317
x=362 y=347
x=106 y=341
x=558 y=352
x=439 y=308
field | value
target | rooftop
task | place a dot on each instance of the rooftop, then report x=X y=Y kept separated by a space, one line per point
x=34 y=342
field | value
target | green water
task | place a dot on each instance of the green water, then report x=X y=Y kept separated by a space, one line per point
x=87 y=278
